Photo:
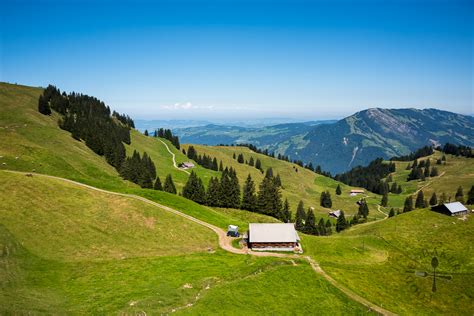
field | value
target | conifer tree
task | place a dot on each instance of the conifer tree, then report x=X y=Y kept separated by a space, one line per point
x=470 y=196
x=249 y=198
x=338 y=190
x=363 y=209
x=328 y=227
x=258 y=164
x=399 y=190
x=251 y=162
x=269 y=173
x=394 y=188
x=194 y=189
x=157 y=185
x=391 y=213
x=240 y=158
x=434 y=172
x=459 y=195
x=325 y=200
x=233 y=156
x=389 y=178
x=169 y=185
x=408 y=166
x=213 y=191
x=427 y=172
x=420 y=200
x=341 y=223
x=221 y=166
x=234 y=193
x=43 y=106
x=146 y=133
x=286 y=214
x=277 y=180
x=433 y=199
x=384 y=201
x=300 y=216
x=408 y=204
x=310 y=223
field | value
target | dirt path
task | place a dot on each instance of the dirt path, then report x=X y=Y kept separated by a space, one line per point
x=429 y=183
x=174 y=158
x=225 y=242
x=378 y=209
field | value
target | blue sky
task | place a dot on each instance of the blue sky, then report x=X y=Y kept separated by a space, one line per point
x=245 y=59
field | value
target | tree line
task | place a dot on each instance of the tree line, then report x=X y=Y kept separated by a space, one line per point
x=251 y=161
x=203 y=160
x=89 y=119
x=422 y=170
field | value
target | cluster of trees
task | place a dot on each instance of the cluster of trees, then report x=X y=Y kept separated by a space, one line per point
x=166 y=134
x=422 y=202
x=89 y=119
x=251 y=162
x=204 y=160
x=306 y=222
x=421 y=170
x=369 y=177
x=457 y=150
x=422 y=152
x=139 y=170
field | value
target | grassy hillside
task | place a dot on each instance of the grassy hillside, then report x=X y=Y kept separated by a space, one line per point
x=298 y=183
x=73 y=250
x=379 y=262
x=458 y=171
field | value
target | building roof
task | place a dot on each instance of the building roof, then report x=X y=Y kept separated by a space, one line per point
x=357 y=191
x=455 y=207
x=335 y=213
x=273 y=232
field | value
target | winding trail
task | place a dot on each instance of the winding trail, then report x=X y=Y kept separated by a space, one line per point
x=174 y=158
x=225 y=242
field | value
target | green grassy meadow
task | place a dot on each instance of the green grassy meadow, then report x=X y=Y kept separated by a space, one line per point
x=66 y=249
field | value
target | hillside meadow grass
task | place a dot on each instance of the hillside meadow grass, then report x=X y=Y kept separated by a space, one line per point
x=379 y=261
x=72 y=250
x=297 y=183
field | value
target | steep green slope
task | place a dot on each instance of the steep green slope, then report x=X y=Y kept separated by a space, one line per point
x=298 y=183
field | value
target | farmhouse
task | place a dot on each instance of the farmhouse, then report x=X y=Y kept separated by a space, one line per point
x=187 y=165
x=356 y=191
x=273 y=236
x=451 y=209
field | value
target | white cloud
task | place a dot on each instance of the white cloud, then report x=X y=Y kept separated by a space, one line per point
x=186 y=106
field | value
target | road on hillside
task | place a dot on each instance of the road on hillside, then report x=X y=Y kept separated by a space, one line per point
x=174 y=158
x=225 y=242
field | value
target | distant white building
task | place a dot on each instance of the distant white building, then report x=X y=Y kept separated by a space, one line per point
x=186 y=165
x=335 y=214
x=355 y=192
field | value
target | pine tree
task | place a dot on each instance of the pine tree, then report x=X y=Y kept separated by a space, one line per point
x=194 y=189
x=251 y=162
x=408 y=166
x=399 y=190
x=214 y=164
x=459 y=195
x=394 y=188
x=286 y=213
x=221 y=166
x=338 y=190
x=233 y=156
x=420 y=200
x=434 y=172
x=325 y=199
x=427 y=172
x=310 y=223
x=433 y=199
x=321 y=228
x=300 y=216
x=269 y=173
x=408 y=204
x=391 y=213
x=470 y=196
x=249 y=198
x=258 y=164
x=277 y=180
x=213 y=191
x=146 y=133
x=157 y=185
x=43 y=106
x=363 y=209
x=234 y=193
x=443 y=159
x=169 y=185
x=240 y=158
x=384 y=201
x=341 y=223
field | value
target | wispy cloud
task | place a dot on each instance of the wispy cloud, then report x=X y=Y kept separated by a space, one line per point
x=186 y=106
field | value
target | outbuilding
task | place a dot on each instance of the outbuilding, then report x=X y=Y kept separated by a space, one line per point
x=451 y=209
x=335 y=214
x=273 y=237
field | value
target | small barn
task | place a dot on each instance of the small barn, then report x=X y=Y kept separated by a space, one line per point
x=335 y=214
x=187 y=165
x=451 y=209
x=355 y=192
x=273 y=236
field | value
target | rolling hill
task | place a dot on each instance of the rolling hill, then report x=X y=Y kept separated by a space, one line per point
x=358 y=139
x=70 y=249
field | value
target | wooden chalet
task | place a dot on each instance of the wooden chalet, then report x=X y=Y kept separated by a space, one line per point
x=273 y=236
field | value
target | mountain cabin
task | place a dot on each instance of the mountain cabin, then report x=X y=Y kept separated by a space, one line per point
x=273 y=237
x=451 y=209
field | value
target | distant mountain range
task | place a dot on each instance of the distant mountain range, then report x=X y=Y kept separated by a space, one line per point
x=355 y=140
